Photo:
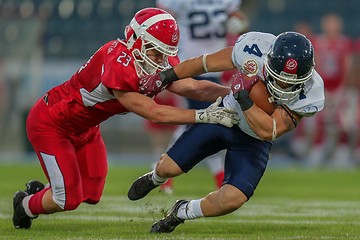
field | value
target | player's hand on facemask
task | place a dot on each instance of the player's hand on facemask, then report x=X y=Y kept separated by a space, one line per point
x=155 y=83
x=151 y=85
x=217 y=115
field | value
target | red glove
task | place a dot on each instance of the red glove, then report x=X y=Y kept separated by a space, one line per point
x=151 y=85
x=242 y=81
x=155 y=83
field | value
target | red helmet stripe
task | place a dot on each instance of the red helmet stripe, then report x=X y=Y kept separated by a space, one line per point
x=154 y=19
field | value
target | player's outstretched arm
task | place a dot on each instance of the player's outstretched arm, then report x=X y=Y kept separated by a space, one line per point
x=163 y=114
x=216 y=62
x=200 y=90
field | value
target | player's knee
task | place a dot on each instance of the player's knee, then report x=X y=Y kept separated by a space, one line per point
x=93 y=190
x=230 y=205
x=72 y=206
x=167 y=167
x=232 y=199
x=94 y=198
x=68 y=200
x=92 y=201
x=73 y=202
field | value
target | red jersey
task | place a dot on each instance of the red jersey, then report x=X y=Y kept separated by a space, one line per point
x=86 y=99
x=357 y=46
x=331 y=57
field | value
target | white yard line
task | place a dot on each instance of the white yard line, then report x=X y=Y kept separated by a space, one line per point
x=91 y=218
x=275 y=211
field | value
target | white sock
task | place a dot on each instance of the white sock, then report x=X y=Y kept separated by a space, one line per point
x=25 y=203
x=157 y=180
x=190 y=210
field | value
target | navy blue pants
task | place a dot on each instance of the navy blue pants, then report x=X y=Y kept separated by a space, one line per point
x=246 y=157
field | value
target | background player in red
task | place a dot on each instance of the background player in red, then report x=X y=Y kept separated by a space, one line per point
x=63 y=126
x=333 y=53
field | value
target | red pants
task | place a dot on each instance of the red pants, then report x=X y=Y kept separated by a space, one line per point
x=75 y=164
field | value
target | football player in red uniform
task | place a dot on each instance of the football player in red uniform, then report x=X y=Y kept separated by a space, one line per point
x=63 y=126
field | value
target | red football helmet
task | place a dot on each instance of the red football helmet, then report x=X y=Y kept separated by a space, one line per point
x=152 y=28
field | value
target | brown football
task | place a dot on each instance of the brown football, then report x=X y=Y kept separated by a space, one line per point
x=260 y=95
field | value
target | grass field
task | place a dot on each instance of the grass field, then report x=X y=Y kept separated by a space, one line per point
x=288 y=204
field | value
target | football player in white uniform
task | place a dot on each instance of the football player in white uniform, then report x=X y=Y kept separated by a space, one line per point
x=286 y=64
x=204 y=26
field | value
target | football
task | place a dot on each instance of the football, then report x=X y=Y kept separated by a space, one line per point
x=260 y=95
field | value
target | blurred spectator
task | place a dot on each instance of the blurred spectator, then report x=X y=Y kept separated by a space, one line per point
x=240 y=19
x=205 y=27
x=304 y=28
x=332 y=57
x=350 y=110
x=160 y=134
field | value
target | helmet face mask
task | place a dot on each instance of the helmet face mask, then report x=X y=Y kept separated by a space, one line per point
x=144 y=62
x=152 y=29
x=288 y=65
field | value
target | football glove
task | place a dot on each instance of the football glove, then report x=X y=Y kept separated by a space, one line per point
x=241 y=87
x=242 y=81
x=217 y=115
x=236 y=25
x=155 y=83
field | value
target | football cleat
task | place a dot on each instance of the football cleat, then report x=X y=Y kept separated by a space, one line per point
x=33 y=187
x=170 y=222
x=141 y=187
x=20 y=219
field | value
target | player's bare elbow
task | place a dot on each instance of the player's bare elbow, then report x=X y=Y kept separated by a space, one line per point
x=264 y=136
x=269 y=135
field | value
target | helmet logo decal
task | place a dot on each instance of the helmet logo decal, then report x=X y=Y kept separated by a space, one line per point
x=174 y=37
x=291 y=66
x=251 y=67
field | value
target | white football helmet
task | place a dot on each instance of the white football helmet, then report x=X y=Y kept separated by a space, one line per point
x=152 y=28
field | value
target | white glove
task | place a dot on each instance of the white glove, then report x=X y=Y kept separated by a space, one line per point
x=236 y=25
x=217 y=115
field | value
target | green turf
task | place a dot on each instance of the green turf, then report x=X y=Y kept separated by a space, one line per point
x=288 y=204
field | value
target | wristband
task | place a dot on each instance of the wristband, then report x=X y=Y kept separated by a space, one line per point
x=243 y=98
x=168 y=76
x=204 y=63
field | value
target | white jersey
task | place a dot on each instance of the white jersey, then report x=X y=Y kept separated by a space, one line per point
x=201 y=24
x=249 y=53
